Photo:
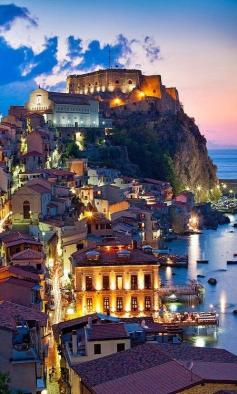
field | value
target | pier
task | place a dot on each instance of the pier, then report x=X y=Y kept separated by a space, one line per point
x=180 y=290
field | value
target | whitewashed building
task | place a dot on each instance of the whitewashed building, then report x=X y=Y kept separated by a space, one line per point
x=64 y=109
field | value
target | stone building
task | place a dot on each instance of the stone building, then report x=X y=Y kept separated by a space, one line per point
x=120 y=87
x=63 y=109
x=116 y=279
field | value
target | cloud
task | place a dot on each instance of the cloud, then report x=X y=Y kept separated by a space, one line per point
x=10 y=12
x=31 y=59
x=22 y=64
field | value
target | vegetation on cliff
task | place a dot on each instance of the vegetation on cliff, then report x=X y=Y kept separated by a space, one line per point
x=167 y=147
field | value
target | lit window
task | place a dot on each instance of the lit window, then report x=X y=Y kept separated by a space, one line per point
x=147 y=303
x=119 y=282
x=89 y=305
x=119 y=304
x=106 y=304
x=134 y=304
x=134 y=282
x=38 y=99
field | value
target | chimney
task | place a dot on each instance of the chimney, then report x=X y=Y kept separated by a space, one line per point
x=74 y=343
x=134 y=244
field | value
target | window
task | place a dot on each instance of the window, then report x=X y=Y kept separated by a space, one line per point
x=89 y=304
x=89 y=284
x=120 y=347
x=97 y=348
x=119 y=282
x=134 y=304
x=26 y=210
x=130 y=82
x=38 y=99
x=147 y=281
x=147 y=303
x=106 y=282
x=106 y=304
x=119 y=304
x=117 y=81
x=134 y=282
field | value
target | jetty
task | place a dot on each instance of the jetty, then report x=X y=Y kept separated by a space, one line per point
x=192 y=319
x=180 y=290
x=173 y=261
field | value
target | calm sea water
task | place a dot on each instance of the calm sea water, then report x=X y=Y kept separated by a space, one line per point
x=226 y=161
x=217 y=247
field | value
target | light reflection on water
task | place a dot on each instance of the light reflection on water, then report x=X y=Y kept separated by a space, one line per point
x=217 y=247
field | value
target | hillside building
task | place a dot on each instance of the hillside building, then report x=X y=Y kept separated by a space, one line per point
x=63 y=109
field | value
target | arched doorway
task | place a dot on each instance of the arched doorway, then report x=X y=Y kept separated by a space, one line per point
x=26 y=210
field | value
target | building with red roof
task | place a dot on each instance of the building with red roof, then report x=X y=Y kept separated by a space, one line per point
x=22 y=350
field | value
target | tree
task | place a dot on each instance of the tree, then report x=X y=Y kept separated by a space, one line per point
x=4 y=381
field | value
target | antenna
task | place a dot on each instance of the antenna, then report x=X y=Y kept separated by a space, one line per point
x=109 y=57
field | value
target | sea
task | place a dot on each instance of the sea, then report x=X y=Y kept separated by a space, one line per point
x=226 y=162
x=216 y=246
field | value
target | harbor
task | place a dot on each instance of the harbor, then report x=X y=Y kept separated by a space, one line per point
x=217 y=247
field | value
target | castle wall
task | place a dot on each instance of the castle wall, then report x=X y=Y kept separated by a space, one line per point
x=151 y=85
x=104 y=81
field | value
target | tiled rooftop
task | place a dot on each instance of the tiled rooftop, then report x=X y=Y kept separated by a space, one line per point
x=28 y=254
x=106 y=331
x=110 y=257
x=153 y=368
x=169 y=377
x=121 y=364
x=10 y=313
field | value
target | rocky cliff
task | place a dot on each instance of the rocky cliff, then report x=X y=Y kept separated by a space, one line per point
x=175 y=135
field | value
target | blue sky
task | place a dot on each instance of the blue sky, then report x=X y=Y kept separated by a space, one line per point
x=192 y=44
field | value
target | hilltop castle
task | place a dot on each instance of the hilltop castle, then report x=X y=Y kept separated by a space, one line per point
x=120 y=87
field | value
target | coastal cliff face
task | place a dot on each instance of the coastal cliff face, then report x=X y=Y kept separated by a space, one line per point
x=178 y=137
x=187 y=148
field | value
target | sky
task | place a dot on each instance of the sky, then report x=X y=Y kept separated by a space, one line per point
x=191 y=43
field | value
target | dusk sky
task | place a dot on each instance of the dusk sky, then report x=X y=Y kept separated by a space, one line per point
x=191 y=43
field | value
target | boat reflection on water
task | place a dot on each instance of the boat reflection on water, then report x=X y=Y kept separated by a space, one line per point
x=217 y=247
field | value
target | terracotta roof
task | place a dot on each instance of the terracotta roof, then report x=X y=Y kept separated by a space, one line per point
x=28 y=254
x=70 y=324
x=13 y=235
x=58 y=172
x=169 y=377
x=38 y=188
x=110 y=258
x=105 y=331
x=121 y=364
x=10 y=313
x=186 y=352
x=17 y=282
x=15 y=271
x=216 y=371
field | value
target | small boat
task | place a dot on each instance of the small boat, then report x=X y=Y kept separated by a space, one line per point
x=202 y=261
x=235 y=255
x=231 y=262
x=200 y=276
x=212 y=281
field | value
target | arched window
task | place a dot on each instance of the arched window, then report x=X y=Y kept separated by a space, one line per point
x=26 y=210
x=117 y=81
x=130 y=82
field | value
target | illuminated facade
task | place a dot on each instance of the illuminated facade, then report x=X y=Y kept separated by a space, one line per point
x=63 y=109
x=123 y=86
x=112 y=279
